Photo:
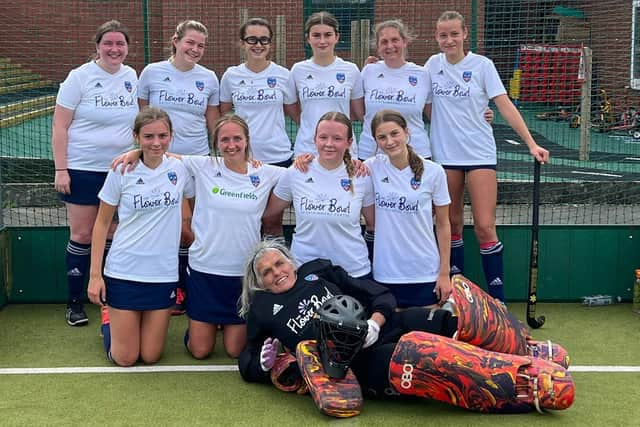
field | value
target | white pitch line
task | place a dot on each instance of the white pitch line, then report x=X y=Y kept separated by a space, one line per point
x=597 y=173
x=221 y=368
x=632 y=158
x=512 y=142
x=605 y=368
x=119 y=370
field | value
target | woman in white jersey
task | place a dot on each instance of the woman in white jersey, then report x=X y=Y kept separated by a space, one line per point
x=462 y=85
x=95 y=107
x=397 y=84
x=409 y=258
x=141 y=269
x=324 y=82
x=231 y=193
x=189 y=92
x=328 y=199
x=262 y=92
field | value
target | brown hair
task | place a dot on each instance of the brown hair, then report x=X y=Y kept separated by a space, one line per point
x=112 y=26
x=383 y=116
x=335 y=116
x=255 y=21
x=149 y=115
x=321 y=18
x=231 y=118
x=181 y=31
x=450 y=15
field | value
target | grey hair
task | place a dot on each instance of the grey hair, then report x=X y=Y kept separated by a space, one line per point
x=251 y=281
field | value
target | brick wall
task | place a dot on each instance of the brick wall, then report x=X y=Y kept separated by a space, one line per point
x=53 y=36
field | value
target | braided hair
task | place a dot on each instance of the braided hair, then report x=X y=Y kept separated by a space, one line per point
x=335 y=116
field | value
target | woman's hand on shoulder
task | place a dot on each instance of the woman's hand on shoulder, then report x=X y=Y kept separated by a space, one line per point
x=371 y=59
x=360 y=169
x=302 y=162
x=128 y=161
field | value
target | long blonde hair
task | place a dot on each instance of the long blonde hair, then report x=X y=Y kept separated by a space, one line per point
x=251 y=281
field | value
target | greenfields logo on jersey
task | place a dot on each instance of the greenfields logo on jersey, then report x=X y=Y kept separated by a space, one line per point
x=233 y=194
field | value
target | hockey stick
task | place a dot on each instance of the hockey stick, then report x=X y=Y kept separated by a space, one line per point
x=532 y=321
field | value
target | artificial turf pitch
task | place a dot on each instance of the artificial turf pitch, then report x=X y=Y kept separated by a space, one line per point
x=36 y=336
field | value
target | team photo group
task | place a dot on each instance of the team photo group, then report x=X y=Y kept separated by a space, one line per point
x=176 y=183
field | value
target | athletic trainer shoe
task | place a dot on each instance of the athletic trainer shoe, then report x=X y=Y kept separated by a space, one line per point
x=75 y=314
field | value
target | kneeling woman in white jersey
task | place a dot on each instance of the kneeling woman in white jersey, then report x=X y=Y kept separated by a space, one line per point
x=328 y=201
x=141 y=269
x=231 y=195
x=407 y=258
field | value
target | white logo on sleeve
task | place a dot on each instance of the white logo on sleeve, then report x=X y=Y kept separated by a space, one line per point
x=276 y=308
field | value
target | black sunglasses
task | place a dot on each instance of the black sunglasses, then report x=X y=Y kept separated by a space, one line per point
x=255 y=40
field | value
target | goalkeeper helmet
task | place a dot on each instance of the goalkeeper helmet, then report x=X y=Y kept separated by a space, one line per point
x=341 y=327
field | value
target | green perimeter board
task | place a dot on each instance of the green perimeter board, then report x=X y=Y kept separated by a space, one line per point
x=574 y=261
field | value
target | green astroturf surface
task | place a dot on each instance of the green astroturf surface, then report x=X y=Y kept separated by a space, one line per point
x=37 y=336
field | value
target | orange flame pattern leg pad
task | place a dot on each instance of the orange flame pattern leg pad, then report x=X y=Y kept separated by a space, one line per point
x=484 y=322
x=454 y=372
x=340 y=398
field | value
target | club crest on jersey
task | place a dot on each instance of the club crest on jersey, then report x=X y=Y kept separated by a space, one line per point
x=413 y=80
x=255 y=180
x=311 y=278
x=466 y=76
x=199 y=85
x=128 y=86
x=173 y=177
x=415 y=184
x=346 y=184
x=340 y=77
x=271 y=82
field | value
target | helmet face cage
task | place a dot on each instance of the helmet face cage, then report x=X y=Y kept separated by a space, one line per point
x=341 y=330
